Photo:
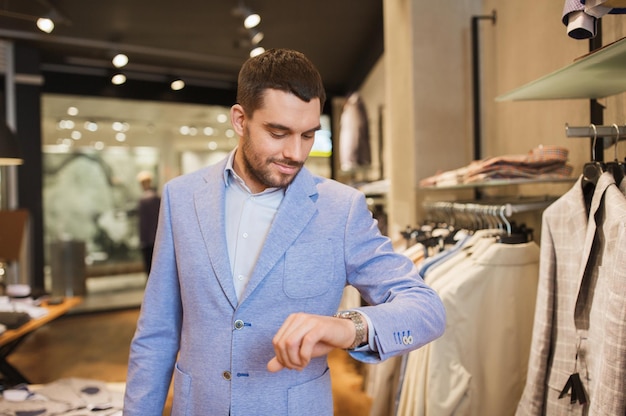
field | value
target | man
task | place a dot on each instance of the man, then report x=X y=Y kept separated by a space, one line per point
x=251 y=259
x=148 y=210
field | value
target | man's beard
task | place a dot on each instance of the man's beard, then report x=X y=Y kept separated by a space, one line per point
x=261 y=170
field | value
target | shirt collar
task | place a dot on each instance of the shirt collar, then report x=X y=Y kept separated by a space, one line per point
x=231 y=177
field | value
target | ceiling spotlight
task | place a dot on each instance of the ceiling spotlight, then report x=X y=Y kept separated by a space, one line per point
x=177 y=85
x=118 y=79
x=257 y=51
x=45 y=24
x=91 y=126
x=256 y=36
x=120 y=60
x=251 y=20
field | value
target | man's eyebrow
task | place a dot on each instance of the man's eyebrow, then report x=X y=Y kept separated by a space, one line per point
x=276 y=126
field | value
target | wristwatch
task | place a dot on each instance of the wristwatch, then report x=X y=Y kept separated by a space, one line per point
x=361 y=337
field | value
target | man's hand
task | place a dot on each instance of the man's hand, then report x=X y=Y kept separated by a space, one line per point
x=304 y=336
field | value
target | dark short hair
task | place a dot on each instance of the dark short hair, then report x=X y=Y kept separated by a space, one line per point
x=281 y=69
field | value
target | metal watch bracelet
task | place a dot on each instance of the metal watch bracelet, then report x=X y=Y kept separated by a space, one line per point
x=359 y=325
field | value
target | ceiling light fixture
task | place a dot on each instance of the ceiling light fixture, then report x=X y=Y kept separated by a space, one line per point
x=257 y=51
x=177 y=84
x=45 y=24
x=120 y=60
x=256 y=36
x=118 y=79
x=91 y=126
x=251 y=20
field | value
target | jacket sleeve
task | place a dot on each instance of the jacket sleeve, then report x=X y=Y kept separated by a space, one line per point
x=532 y=400
x=405 y=312
x=155 y=344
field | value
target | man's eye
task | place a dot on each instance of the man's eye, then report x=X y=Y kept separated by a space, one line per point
x=278 y=135
x=308 y=136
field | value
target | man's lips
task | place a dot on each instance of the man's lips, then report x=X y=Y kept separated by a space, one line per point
x=287 y=168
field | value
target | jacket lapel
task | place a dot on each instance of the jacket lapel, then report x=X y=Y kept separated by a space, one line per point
x=209 y=205
x=294 y=213
x=577 y=219
x=605 y=180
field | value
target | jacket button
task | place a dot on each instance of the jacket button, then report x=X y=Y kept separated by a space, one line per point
x=226 y=375
x=239 y=324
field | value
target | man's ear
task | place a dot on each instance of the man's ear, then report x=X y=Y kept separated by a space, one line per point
x=237 y=119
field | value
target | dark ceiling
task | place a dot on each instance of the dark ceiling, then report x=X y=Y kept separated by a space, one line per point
x=199 y=40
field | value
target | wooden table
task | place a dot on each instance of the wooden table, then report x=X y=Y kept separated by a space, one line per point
x=11 y=338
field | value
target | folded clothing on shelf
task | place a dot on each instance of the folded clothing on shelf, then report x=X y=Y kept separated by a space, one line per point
x=13 y=320
x=542 y=162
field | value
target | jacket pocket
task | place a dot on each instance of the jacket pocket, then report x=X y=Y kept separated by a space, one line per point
x=182 y=386
x=309 y=269
x=313 y=398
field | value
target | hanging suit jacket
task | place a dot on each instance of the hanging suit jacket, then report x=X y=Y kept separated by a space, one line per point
x=191 y=323
x=477 y=366
x=580 y=321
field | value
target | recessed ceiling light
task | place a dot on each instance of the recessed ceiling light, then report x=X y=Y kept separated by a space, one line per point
x=120 y=60
x=177 y=85
x=257 y=51
x=45 y=24
x=66 y=124
x=252 y=20
x=91 y=126
x=118 y=79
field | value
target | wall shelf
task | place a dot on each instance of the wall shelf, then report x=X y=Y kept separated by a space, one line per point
x=598 y=74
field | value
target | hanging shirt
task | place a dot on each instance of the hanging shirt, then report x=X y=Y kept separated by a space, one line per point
x=580 y=16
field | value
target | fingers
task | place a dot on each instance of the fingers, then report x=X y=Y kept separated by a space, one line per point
x=299 y=339
x=289 y=344
x=274 y=366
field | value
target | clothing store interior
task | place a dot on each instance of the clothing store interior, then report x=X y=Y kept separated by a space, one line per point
x=487 y=137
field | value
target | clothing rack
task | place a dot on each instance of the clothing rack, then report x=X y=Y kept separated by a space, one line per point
x=497 y=213
x=499 y=209
x=609 y=133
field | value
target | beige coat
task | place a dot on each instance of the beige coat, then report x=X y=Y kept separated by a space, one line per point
x=580 y=317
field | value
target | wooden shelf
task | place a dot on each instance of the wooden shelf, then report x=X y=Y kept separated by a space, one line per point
x=596 y=75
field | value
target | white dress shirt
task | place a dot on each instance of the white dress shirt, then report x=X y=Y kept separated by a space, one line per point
x=248 y=220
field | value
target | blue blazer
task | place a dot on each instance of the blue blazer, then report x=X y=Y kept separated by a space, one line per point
x=192 y=326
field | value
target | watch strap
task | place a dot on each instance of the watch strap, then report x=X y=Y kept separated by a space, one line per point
x=360 y=337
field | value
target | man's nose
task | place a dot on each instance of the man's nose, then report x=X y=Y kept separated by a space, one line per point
x=293 y=148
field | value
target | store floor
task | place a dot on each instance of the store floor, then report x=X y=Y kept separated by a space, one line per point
x=93 y=342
